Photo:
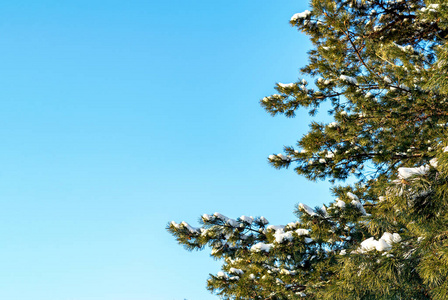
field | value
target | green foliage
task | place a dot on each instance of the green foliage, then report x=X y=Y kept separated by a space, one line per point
x=383 y=66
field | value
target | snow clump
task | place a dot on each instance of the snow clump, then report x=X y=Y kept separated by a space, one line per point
x=247 y=219
x=307 y=209
x=281 y=236
x=349 y=79
x=280 y=156
x=236 y=271
x=405 y=173
x=302 y=15
x=339 y=203
x=286 y=85
x=357 y=203
x=261 y=247
x=383 y=244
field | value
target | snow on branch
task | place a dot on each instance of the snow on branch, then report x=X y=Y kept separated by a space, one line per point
x=383 y=244
x=302 y=15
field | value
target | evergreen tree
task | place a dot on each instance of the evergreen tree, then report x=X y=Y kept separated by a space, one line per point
x=382 y=65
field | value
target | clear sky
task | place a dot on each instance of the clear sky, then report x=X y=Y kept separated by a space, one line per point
x=120 y=116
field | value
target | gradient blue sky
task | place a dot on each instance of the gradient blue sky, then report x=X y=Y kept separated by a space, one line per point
x=120 y=116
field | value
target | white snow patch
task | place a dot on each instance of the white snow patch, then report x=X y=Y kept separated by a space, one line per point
x=307 y=209
x=286 y=85
x=219 y=216
x=261 y=247
x=236 y=271
x=324 y=211
x=284 y=158
x=352 y=196
x=292 y=225
x=301 y=15
x=349 y=79
x=434 y=162
x=359 y=206
x=263 y=220
x=281 y=236
x=232 y=222
x=175 y=225
x=405 y=173
x=188 y=227
x=383 y=244
x=301 y=231
x=339 y=203
x=247 y=219
x=275 y=227
x=329 y=154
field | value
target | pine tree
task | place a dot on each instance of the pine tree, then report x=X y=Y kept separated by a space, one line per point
x=382 y=65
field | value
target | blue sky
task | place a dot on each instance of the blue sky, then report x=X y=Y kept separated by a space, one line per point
x=120 y=116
